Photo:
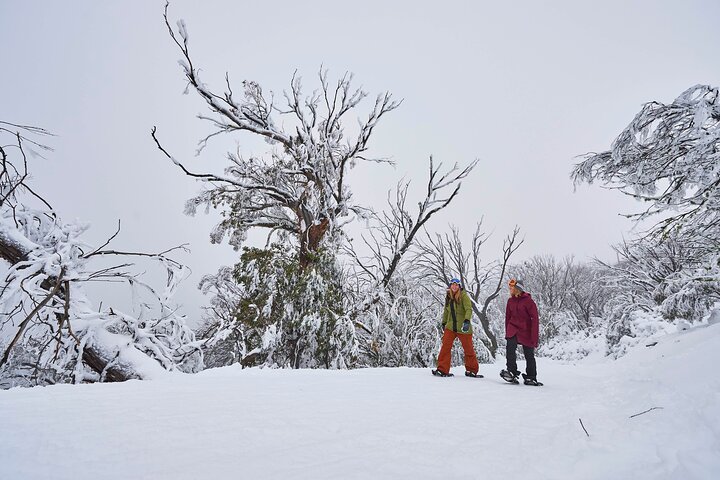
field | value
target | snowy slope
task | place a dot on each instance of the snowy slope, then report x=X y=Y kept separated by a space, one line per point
x=381 y=423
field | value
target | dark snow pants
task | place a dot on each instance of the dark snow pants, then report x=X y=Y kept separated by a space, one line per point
x=529 y=352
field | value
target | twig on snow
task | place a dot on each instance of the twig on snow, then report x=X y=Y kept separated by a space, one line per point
x=581 y=424
x=649 y=409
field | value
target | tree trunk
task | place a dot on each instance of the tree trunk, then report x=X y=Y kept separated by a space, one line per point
x=310 y=242
x=92 y=359
x=493 y=346
x=10 y=251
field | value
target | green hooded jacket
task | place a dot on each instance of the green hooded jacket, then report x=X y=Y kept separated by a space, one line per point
x=463 y=311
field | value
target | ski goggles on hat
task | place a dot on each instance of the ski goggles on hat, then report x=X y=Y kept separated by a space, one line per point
x=514 y=283
x=455 y=280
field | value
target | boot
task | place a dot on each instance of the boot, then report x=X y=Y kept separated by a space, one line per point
x=509 y=377
x=531 y=381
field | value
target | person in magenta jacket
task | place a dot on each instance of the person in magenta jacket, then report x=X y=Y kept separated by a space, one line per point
x=521 y=327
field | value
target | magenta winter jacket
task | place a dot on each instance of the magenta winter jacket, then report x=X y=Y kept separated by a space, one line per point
x=521 y=319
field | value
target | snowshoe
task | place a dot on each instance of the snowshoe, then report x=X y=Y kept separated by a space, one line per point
x=509 y=377
x=474 y=375
x=438 y=373
x=531 y=381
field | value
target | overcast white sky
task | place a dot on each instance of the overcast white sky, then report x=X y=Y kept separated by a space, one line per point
x=524 y=86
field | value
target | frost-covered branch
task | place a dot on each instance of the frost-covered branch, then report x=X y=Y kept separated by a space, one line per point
x=47 y=320
x=668 y=157
x=398 y=227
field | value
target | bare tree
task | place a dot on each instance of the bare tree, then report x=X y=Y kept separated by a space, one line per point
x=396 y=228
x=569 y=295
x=384 y=303
x=444 y=257
x=548 y=279
x=586 y=290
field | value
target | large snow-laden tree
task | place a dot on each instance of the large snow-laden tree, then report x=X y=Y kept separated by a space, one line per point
x=49 y=330
x=299 y=192
x=300 y=188
x=268 y=311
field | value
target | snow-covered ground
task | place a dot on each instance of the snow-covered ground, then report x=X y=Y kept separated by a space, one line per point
x=382 y=423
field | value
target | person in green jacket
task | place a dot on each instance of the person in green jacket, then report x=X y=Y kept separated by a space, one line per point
x=456 y=324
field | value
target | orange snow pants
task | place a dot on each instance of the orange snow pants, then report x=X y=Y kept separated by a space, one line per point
x=443 y=363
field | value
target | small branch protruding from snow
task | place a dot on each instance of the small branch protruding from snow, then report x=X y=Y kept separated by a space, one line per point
x=582 y=425
x=646 y=411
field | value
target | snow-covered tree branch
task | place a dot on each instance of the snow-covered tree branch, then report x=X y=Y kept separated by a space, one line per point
x=396 y=228
x=49 y=330
x=669 y=157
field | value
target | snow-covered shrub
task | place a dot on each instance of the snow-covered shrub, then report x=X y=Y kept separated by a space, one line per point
x=692 y=292
x=402 y=326
x=672 y=278
x=269 y=311
x=574 y=345
x=714 y=316
x=635 y=327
